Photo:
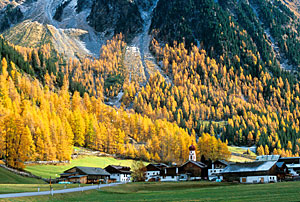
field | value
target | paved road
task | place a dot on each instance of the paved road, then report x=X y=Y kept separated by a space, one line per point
x=63 y=191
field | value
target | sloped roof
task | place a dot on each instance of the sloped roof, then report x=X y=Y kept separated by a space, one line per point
x=118 y=169
x=297 y=158
x=224 y=162
x=293 y=165
x=93 y=171
x=256 y=166
x=65 y=174
x=268 y=158
x=279 y=164
x=158 y=166
x=197 y=163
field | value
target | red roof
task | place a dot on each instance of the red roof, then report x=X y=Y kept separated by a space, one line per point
x=192 y=148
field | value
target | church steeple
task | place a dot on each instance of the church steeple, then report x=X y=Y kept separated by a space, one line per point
x=192 y=156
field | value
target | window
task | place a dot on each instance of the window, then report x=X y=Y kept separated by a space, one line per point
x=172 y=177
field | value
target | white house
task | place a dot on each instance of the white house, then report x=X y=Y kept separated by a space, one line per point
x=119 y=173
x=153 y=171
x=216 y=169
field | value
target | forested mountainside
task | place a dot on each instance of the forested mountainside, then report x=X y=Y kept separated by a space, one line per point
x=144 y=79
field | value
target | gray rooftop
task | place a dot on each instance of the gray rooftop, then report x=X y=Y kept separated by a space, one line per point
x=293 y=165
x=268 y=158
x=93 y=171
x=224 y=162
x=280 y=164
x=197 y=163
x=256 y=166
x=77 y=176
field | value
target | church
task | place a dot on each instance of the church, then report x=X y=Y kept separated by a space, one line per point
x=190 y=170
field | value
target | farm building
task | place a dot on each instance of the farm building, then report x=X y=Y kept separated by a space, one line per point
x=170 y=174
x=215 y=168
x=191 y=170
x=84 y=175
x=268 y=158
x=292 y=164
x=154 y=171
x=119 y=173
x=251 y=172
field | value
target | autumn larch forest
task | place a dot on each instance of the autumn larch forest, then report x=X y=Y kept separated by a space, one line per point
x=212 y=90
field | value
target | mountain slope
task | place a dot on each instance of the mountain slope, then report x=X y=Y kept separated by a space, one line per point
x=225 y=68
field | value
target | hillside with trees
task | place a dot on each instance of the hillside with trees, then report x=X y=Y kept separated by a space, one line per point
x=222 y=73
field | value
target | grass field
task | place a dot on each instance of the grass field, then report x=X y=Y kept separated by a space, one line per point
x=184 y=191
x=12 y=183
x=7 y=177
x=91 y=161
x=243 y=157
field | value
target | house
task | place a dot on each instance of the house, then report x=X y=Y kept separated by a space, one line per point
x=84 y=175
x=251 y=172
x=216 y=168
x=281 y=170
x=191 y=170
x=170 y=174
x=154 y=171
x=292 y=164
x=119 y=173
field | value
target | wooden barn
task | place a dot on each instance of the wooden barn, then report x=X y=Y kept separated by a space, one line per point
x=251 y=172
x=84 y=175
x=170 y=174
x=194 y=170
x=191 y=170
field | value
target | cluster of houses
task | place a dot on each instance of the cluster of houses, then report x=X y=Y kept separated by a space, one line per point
x=265 y=169
x=91 y=175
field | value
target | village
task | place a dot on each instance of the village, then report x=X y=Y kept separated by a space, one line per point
x=265 y=169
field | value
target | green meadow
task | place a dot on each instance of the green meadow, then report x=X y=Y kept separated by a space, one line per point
x=183 y=191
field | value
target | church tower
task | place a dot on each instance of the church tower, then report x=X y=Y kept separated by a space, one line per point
x=192 y=156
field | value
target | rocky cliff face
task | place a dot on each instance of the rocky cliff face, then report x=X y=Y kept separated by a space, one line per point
x=116 y=16
x=10 y=15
